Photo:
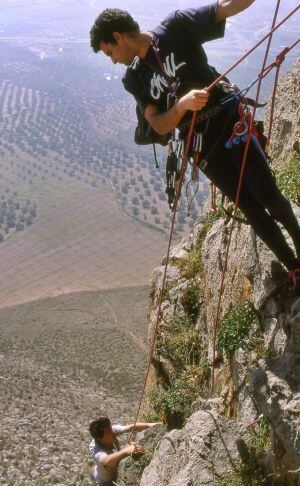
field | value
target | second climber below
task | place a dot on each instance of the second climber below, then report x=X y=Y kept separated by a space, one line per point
x=175 y=46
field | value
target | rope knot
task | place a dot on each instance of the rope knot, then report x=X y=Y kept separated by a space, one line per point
x=281 y=56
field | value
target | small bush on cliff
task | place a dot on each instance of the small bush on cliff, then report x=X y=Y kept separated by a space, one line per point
x=191 y=264
x=236 y=326
x=288 y=180
x=173 y=403
x=191 y=298
x=166 y=291
x=179 y=343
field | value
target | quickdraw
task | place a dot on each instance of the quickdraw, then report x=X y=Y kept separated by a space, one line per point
x=241 y=128
x=172 y=173
x=173 y=165
x=241 y=131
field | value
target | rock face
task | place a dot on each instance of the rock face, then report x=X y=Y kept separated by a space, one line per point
x=258 y=382
x=195 y=454
x=286 y=121
x=130 y=471
x=276 y=388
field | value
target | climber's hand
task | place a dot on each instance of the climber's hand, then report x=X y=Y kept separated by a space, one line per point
x=194 y=100
x=152 y=424
x=135 y=448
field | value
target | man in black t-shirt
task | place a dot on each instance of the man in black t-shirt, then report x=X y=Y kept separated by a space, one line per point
x=171 y=57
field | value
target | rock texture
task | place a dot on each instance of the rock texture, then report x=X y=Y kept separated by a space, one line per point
x=130 y=471
x=286 y=131
x=200 y=453
x=260 y=380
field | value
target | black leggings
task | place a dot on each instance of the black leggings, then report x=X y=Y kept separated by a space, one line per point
x=260 y=199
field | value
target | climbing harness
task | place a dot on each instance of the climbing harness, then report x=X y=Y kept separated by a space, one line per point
x=293 y=275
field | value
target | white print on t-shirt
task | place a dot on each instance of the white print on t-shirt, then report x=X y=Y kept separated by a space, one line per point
x=158 y=82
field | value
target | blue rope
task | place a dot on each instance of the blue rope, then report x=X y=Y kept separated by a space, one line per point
x=240 y=94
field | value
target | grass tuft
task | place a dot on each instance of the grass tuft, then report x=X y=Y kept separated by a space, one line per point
x=236 y=326
x=288 y=180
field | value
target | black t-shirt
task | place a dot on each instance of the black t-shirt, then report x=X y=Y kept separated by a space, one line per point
x=179 y=38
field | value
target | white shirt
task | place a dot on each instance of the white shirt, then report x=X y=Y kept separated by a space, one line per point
x=97 y=451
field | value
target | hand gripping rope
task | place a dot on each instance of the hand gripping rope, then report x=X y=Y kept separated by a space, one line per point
x=180 y=183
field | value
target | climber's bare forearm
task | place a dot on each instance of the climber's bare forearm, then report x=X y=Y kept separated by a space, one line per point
x=164 y=122
x=139 y=426
x=228 y=8
x=111 y=461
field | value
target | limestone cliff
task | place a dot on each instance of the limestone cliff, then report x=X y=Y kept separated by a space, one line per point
x=249 y=432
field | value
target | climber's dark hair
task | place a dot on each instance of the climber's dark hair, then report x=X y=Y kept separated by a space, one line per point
x=98 y=426
x=109 y=21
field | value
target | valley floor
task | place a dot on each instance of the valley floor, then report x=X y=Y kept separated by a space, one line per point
x=63 y=362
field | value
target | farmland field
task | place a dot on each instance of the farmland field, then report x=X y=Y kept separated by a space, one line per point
x=59 y=110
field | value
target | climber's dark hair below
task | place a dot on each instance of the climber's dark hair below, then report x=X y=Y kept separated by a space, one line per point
x=109 y=21
x=98 y=426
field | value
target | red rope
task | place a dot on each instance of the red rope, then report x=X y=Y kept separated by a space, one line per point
x=269 y=35
x=225 y=264
x=273 y=106
x=213 y=197
x=279 y=60
x=180 y=183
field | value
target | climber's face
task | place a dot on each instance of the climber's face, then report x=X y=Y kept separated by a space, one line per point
x=122 y=52
x=108 y=437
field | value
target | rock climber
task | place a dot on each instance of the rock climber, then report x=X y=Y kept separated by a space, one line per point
x=173 y=51
x=105 y=448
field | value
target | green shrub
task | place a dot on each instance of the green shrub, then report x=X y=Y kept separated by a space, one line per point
x=288 y=180
x=179 y=343
x=236 y=326
x=191 y=264
x=172 y=404
x=190 y=299
x=168 y=286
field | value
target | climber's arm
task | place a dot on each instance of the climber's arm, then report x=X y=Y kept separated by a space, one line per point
x=111 y=461
x=139 y=426
x=164 y=122
x=228 y=8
